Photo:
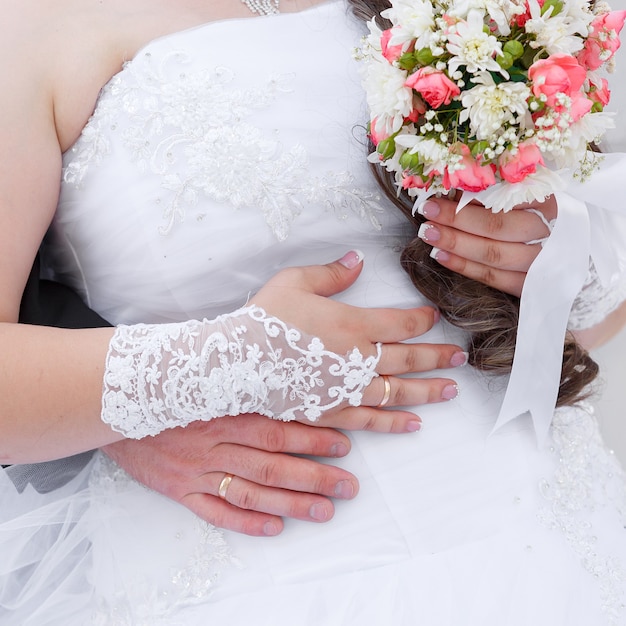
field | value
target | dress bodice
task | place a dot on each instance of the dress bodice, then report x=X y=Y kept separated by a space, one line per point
x=195 y=178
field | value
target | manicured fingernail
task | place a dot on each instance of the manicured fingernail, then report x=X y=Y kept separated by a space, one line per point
x=429 y=209
x=450 y=392
x=459 y=358
x=344 y=489
x=437 y=316
x=414 y=426
x=439 y=255
x=319 y=512
x=351 y=259
x=428 y=232
x=270 y=529
x=339 y=449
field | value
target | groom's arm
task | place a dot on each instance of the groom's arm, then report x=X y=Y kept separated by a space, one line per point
x=188 y=464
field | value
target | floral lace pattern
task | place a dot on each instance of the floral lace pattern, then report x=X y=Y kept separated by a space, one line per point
x=144 y=604
x=167 y=375
x=587 y=477
x=595 y=301
x=193 y=130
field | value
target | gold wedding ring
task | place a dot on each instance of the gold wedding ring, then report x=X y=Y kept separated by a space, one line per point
x=223 y=488
x=386 y=393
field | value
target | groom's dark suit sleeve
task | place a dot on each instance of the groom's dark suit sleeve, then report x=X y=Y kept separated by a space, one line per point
x=48 y=303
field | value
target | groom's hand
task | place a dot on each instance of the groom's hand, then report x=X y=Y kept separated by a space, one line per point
x=188 y=465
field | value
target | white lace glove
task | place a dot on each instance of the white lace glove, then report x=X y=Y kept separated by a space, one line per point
x=167 y=375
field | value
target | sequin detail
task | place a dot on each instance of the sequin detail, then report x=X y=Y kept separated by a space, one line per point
x=587 y=478
x=195 y=131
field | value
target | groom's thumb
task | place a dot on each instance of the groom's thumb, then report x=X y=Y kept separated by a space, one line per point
x=327 y=280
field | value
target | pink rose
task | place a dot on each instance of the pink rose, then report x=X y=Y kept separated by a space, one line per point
x=391 y=53
x=436 y=88
x=580 y=105
x=375 y=135
x=471 y=176
x=515 y=167
x=603 y=41
x=415 y=182
x=559 y=73
x=599 y=93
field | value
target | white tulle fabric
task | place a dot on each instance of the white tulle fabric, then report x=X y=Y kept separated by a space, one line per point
x=160 y=376
x=453 y=526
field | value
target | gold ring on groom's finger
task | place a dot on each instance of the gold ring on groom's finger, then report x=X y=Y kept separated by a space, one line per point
x=386 y=393
x=223 y=488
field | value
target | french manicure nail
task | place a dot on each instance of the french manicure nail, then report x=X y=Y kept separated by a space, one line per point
x=439 y=255
x=429 y=209
x=459 y=358
x=450 y=392
x=344 y=489
x=414 y=426
x=428 y=232
x=351 y=259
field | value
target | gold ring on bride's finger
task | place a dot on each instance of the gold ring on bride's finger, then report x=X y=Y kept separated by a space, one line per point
x=386 y=393
x=223 y=488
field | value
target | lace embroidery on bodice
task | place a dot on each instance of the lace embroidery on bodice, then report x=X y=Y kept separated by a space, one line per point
x=143 y=604
x=587 y=477
x=192 y=129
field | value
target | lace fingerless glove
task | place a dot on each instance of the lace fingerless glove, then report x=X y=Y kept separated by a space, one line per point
x=167 y=375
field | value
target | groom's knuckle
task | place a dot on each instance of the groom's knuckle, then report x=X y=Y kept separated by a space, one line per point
x=249 y=499
x=493 y=254
x=273 y=439
x=495 y=224
x=269 y=473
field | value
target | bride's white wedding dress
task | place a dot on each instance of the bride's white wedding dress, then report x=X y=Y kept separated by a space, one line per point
x=215 y=157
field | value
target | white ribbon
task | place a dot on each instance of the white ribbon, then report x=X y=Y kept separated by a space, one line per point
x=582 y=231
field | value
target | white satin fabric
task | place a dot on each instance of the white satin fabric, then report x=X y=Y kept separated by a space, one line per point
x=453 y=526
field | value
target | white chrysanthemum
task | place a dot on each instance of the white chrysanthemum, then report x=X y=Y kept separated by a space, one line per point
x=389 y=100
x=536 y=187
x=414 y=19
x=490 y=107
x=472 y=47
x=561 y=34
x=501 y=12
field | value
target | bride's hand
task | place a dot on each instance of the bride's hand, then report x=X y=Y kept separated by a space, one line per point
x=300 y=297
x=491 y=248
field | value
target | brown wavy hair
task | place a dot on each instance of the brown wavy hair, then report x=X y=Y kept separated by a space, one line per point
x=489 y=316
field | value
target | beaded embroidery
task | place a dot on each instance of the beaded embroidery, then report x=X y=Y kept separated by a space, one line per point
x=587 y=477
x=193 y=130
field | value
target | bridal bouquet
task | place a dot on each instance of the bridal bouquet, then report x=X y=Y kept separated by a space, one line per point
x=492 y=97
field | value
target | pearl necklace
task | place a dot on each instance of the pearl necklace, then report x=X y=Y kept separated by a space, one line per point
x=263 y=7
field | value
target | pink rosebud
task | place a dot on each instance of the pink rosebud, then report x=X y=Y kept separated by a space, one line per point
x=415 y=182
x=434 y=86
x=471 y=176
x=375 y=135
x=391 y=53
x=600 y=93
x=580 y=105
x=515 y=167
x=559 y=73
x=603 y=40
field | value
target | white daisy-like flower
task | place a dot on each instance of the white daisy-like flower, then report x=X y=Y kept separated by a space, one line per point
x=490 y=107
x=561 y=34
x=472 y=47
x=389 y=100
x=501 y=12
x=414 y=19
